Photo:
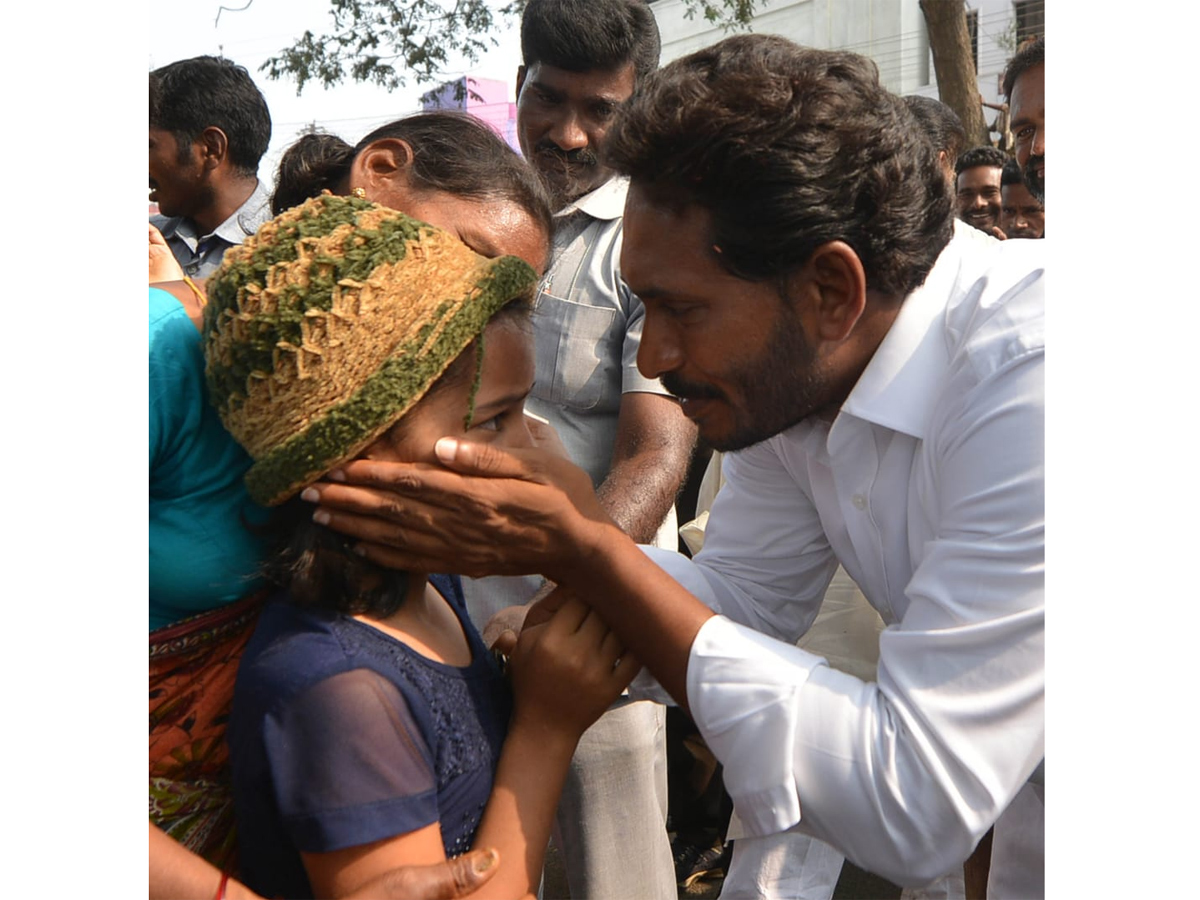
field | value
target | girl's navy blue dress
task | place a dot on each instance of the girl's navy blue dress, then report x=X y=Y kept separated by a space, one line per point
x=341 y=736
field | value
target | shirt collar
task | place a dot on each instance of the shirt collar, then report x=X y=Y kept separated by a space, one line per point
x=247 y=217
x=900 y=384
x=605 y=202
x=168 y=227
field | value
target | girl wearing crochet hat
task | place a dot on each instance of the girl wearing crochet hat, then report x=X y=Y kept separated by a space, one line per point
x=205 y=565
x=370 y=726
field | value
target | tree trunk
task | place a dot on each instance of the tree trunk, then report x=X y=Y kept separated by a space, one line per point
x=946 y=22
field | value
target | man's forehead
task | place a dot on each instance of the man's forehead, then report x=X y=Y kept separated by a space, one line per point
x=981 y=173
x=666 y=242
x=648 y=203
x=608 y=84
x=1028 y=94
x=1018 y=195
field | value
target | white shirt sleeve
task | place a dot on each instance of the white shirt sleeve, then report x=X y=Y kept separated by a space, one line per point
x=903 y=774
x=766 y=561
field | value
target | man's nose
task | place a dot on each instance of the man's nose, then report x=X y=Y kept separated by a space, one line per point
x=568 y=132
x=658 y=351
x=1039 y=142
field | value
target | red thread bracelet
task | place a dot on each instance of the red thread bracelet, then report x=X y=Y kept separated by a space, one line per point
x=221 y=887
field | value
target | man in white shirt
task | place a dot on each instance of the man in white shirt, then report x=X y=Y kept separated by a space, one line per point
x=876 y=373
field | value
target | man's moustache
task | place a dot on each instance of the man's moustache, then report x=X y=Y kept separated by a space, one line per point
x=580 y=157
x=688 y=391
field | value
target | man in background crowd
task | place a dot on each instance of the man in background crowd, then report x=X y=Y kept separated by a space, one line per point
x=978 y=187
x=209 y=127
x=1021 y=215
x=944 y=129
x=1025 y=89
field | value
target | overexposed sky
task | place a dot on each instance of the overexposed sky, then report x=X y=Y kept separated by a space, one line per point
x=183 y=28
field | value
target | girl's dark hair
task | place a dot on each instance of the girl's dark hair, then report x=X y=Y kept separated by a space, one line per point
x=316 y=162
x=452 y=152
x=317 y=566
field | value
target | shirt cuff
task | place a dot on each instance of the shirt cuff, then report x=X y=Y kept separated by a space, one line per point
x=646 y=687
x=744 y=692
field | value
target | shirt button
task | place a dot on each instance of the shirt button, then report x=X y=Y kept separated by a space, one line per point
x=859 y=501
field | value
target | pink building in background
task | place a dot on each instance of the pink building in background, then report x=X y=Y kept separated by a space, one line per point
x=485 y=98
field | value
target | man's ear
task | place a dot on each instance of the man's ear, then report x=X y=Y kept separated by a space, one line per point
x=520 y=81
x=381 y=169
x=834 y=288
x=214 y=147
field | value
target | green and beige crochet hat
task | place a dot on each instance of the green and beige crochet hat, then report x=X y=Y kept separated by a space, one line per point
x=330 y=323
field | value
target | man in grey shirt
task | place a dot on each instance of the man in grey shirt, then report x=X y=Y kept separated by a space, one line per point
x=582 y=59
x=209 y=127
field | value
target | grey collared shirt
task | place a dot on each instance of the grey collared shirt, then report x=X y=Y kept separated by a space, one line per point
x=587 y=328
x=201 y=254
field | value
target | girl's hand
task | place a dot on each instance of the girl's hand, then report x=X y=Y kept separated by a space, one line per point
x=569 y=670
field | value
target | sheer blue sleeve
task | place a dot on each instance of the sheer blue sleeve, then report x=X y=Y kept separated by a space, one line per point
x=348 y=764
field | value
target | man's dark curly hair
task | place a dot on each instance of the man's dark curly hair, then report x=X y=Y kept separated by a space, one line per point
x=940 y=123
x=581 y=35
x=1011 y=173
x=1031 y=54
x=190 y=95
x=980 y=156
x=788 y=148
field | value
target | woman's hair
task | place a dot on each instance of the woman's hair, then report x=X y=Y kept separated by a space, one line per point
x=453 y=153
x=316 y=566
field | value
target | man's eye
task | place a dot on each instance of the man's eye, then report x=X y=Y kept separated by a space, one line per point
x=685 y=312
x=492 y=424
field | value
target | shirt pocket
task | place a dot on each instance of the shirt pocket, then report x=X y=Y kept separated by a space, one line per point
x=582 y=364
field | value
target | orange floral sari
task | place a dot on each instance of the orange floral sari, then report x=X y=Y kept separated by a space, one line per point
x=193 y=664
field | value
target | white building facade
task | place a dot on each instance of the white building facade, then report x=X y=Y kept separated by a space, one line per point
x=891 y=32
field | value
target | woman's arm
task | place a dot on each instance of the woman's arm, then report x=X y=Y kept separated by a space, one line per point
x=566 y=672
x=178 y=874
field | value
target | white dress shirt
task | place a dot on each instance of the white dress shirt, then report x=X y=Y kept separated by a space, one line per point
x=928 y=489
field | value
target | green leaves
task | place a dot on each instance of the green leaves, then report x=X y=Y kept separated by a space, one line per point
x=387 y=42
x=731 y=15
